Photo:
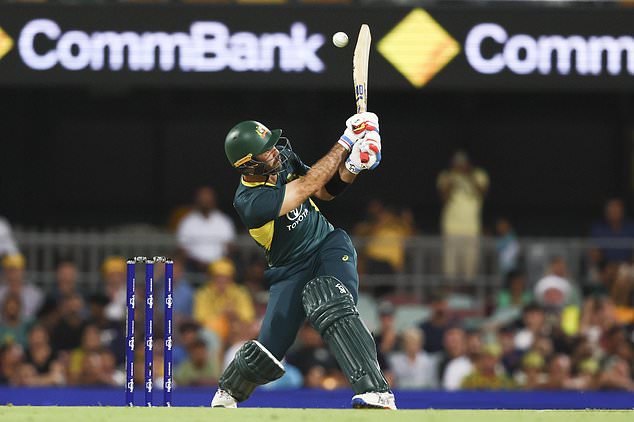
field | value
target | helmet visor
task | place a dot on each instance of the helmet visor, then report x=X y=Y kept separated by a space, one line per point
x=256 y=167
x=283 y=148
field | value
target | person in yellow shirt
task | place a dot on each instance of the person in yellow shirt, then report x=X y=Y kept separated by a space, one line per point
x=221 y=301
x=462 y=189
x=486 y=374
x=384 y=234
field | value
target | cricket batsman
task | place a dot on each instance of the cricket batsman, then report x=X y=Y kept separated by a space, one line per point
x=312 y=266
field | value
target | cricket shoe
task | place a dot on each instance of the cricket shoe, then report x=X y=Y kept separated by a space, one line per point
x=224 y=399
x=374 y=400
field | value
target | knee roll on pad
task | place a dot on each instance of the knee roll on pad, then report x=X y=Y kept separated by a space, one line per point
x=331 y=311
x=253 y=365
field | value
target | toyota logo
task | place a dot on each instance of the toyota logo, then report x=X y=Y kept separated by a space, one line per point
x=293 y=214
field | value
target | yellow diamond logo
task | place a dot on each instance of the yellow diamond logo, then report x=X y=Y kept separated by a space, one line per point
x=418 y=47
x=6 y=43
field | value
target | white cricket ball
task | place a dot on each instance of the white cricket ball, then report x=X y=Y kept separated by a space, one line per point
x=340 y=39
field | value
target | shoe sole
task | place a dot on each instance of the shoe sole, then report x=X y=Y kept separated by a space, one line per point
x=360 y=404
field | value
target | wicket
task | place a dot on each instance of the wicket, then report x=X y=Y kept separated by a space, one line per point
x=149 y=321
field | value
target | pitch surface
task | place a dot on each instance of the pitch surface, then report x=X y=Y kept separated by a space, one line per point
x=200 y=414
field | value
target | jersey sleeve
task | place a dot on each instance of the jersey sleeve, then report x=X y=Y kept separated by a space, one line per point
x=298 y=165
x=260 y=205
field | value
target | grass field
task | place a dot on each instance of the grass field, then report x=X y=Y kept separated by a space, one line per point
x=200 y=414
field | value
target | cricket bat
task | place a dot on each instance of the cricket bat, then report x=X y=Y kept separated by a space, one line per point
x=360 y=74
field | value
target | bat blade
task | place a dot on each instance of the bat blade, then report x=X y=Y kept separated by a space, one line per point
x=360 y=68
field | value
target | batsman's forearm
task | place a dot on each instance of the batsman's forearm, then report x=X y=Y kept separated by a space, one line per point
x=323 y=170
x=345 y=174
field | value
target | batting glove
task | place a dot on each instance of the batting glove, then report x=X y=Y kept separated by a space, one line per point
x=356 y=128
x=365 y=155
x=365 y=121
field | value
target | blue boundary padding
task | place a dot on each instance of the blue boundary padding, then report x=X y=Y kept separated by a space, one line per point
x=306 y=398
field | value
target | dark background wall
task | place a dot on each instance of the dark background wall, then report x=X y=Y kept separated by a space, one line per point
x=77 y=157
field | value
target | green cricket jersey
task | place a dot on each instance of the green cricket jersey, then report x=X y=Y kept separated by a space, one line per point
x=291 y=237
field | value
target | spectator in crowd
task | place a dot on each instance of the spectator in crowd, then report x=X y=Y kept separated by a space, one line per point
x=615 y=343
x=253 y=281
x=581 y=349
x=598 y=316
x=221 y=300
x=474 y=344
x=110 y=374
x=544 y=346
x=462 y=188
x=614 y=227
x=486 y=374
x=507 y=247
x=531 y=376
x=69 y=330
x=240 y=332
x=559 y=297
x=454 y=363
x=384 y=232
x=555 y=290
x=14 y=283
x=434 y=328
x=204 y=233
x=199 y=369
x=387 y=337
x=13 y=327
x=114 y=277
x=511 y=357
x=602 y=278
x=622 y=292
x=139 y=360
x=617 y=375
x=183 y=292
x=511 y=299
x=559 y=374
x=11 y=356
x=42 y=364
x=158 y=364
x=66 y=276
x=413 y=367
x=48 y=316
x=187 y=333
x=84 y=359
x=315 y=361
x=7 y=242
x=111 y=333
x=533 y=325
x=587 y=375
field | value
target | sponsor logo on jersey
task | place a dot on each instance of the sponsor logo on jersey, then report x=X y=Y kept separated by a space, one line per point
x=296 y=216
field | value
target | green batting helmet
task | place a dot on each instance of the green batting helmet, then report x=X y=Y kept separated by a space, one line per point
x=246 y=140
